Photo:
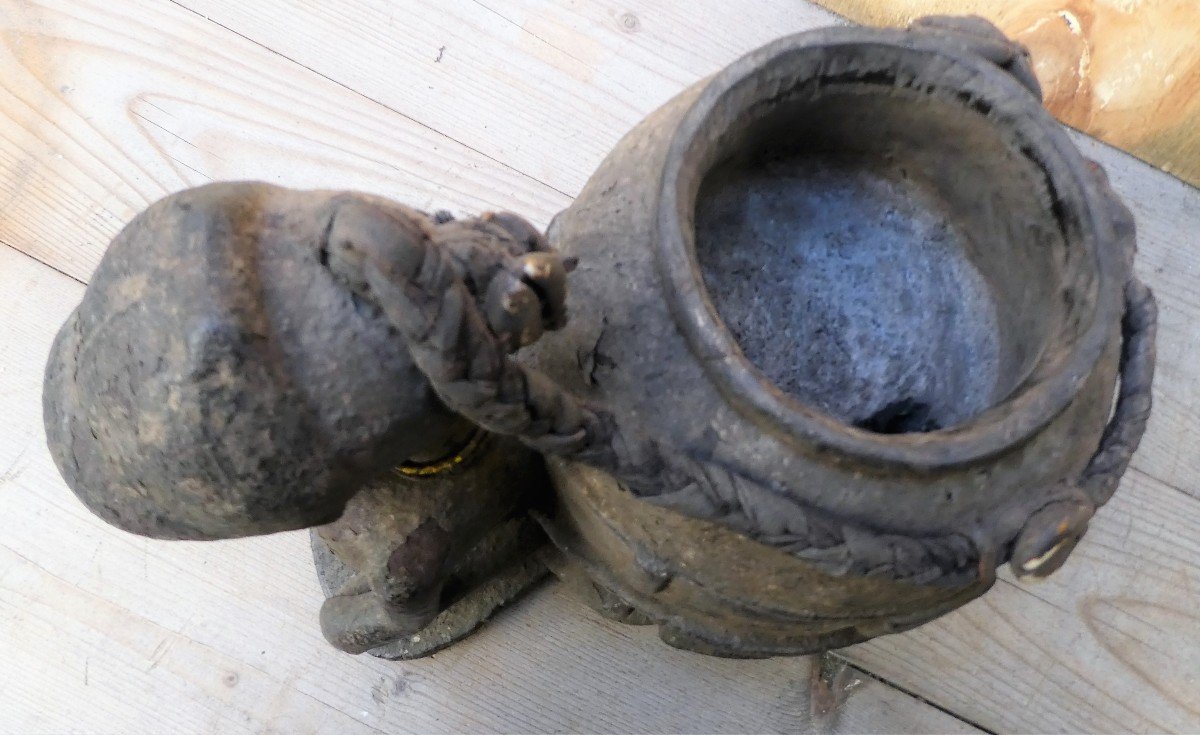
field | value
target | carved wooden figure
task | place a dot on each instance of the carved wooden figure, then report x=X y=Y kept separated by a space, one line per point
x=843 y=331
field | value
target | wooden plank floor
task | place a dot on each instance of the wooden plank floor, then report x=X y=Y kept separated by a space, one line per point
x=1126 y=71
x=106 y=105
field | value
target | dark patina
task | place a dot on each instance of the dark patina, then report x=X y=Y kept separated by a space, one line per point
x=847 y=321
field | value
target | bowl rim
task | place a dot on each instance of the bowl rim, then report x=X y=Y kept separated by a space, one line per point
x=1006 y=424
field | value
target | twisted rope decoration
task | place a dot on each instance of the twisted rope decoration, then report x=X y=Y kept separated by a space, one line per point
x=1124 y=432
x=432 y=297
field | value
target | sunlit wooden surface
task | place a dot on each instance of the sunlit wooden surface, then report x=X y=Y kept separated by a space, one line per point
x=1125 y=71
x=106 y=105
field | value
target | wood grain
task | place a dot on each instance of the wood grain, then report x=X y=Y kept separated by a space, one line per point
x=526 y=98
x=109 y=106
x=1125 y=71
x=545 y=86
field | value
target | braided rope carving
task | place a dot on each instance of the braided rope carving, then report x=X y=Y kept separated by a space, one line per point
x=422 y=285
x=460 y=293
x=1124 y=432
x=708 y=490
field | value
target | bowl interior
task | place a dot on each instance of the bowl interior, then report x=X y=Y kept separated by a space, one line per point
x=889 y=256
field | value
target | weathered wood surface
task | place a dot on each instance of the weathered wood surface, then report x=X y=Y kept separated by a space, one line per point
x=1126 y=71
x=105 y=106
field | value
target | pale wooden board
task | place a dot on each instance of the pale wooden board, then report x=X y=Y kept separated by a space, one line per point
x=106 y=107
x=103 y=631
x=1126 y=71
x=543 y=85
x=1111 y=646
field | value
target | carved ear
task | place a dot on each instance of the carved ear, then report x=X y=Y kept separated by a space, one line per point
x=363 y=229
x=1049 y=537
x=977 y=35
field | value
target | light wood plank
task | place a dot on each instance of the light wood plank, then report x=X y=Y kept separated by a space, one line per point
x=545 y=86
x=107 y=106
x=1126 y=71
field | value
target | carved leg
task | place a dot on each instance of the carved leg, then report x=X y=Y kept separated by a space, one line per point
x=357 y=620
x=423 y=556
